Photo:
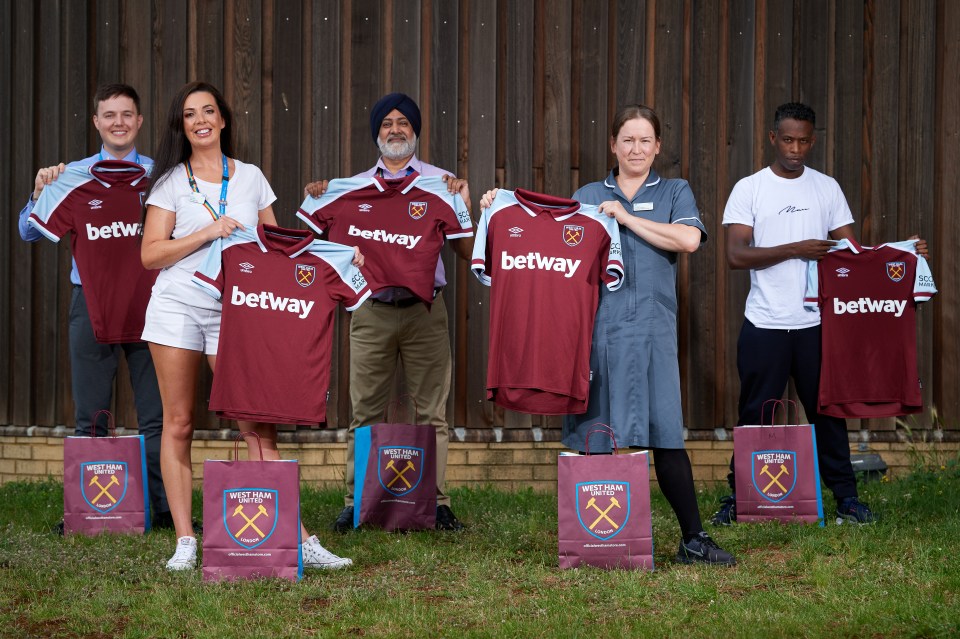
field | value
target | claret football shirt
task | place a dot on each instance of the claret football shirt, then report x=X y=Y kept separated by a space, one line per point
x=399 y=225
x=545 y=259
x=280 y=288
x=868 y=298
x=102 y=205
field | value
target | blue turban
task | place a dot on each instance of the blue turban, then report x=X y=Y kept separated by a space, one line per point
x=402 y=103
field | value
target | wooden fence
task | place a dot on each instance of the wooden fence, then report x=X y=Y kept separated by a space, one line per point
x=516 y=93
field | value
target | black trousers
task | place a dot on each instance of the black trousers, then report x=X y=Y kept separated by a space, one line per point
x=93 y=369
x=766 y=360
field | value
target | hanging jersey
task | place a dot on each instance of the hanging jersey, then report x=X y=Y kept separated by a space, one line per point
x=102 y=205
x=867 y=298
x=545 y=259
x=280 y=288
x=399 y=226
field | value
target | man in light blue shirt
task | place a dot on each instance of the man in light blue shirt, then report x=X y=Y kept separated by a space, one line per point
x=94 y=365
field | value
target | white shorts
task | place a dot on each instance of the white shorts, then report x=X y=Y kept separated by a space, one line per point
x=182 y=316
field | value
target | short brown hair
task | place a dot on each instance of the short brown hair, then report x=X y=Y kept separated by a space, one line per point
x=107 y=91
x=632 y=112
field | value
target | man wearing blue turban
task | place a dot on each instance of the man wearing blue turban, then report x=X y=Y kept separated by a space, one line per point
x=394 y=321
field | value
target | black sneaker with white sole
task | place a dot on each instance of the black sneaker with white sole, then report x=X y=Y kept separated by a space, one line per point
x=853 y=511
x=704 y=550
x=446 y=520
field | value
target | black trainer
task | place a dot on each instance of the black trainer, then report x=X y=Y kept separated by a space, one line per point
x=702 y=549
x=58 y=528
x=446 y=520
x=853 y=511
x=344 y=522
x=727 y=513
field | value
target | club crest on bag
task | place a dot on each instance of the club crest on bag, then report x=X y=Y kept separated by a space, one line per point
x=250 y=515
x=774 y=473
x=399 y=468
x=603 y=507
x=103 y=484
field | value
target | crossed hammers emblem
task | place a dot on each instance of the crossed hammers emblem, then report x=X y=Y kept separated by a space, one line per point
x=399 y=473
x=774 y=479
x=603 y=513
x=261 y=510
x=104 y=490
x=304 y=277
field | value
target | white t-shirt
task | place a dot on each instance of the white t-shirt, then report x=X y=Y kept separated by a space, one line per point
x=782 y=211
x=247 y=194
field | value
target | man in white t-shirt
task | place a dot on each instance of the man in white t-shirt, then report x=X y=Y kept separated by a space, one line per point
x=776 y=221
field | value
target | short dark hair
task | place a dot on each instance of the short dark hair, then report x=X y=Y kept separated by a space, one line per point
x=107 y=91
x=793 y=111
x=632 y=112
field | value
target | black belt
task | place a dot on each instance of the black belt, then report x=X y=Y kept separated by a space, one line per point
x=404 y=303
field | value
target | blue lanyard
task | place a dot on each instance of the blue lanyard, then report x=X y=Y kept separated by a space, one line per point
x=223 y=189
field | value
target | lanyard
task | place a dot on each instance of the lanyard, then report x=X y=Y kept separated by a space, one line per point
x=135 y=159
x=223 y=190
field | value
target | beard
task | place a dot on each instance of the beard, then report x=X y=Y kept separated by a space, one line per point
x=397 y=150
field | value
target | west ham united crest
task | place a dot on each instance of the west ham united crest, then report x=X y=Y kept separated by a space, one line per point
x=572 y=234
x=399 y=468
x=896 y=270
x=306 y=274
x=103 y=484
x=250 y=515
x=417 y=209
x=603 y=507
x=774 y=473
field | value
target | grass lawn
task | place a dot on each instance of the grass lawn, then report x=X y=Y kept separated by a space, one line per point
x=499 y=578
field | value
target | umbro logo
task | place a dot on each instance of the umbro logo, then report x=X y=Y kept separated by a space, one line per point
x=364 y=208
x=515 y=231
x=95 y=204
x=843 y=271
x=246 y=267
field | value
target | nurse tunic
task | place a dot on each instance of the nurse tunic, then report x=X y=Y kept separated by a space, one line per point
x=635 y=386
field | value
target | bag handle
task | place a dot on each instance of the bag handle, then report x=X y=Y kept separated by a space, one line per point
x=239 y=438
x=111 y=427
x=784 y=404
x=395 y=404
x=603 y=429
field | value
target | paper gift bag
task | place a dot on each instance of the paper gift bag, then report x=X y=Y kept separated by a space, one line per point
x=603 y=509
x=776 y=470
x=104 y=483
x=251 y=519
x=395 y=476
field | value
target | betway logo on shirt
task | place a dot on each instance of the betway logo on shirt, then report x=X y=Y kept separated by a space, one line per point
x=268 y=301
x=379 y=235
x=539 y=262
x=869 y=305
x=117 y=229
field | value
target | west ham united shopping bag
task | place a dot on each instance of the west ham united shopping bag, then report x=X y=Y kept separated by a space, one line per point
x=104 y=487
x=776 y=470
x=603 y=509
x=251 y=519
x=395 y=476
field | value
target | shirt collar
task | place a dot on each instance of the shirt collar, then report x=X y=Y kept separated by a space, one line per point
x=132 y=156
x=412 y=165
x=611 y=182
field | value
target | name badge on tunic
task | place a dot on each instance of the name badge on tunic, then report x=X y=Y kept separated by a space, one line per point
x=643 y=206
x=197 y=198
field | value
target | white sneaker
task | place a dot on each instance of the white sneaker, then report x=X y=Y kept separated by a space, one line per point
x=185 y=558
x=316 y=556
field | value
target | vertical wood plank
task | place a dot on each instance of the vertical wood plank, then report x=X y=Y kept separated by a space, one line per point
x=21 y=176
x=812 y=69
x=7 y=194
x=366 y=67
x=401 y=64
x=208 y=26
x=286 y=133
x=591 y=68
x=629 y=31
x=243 y=76
x=667 y=78
x=774 y=74
x=706 y=382
x=557 y=97
x=108 y=41
x=847 y=109
x=916 y=191
x=478 y=163
x=946 y=261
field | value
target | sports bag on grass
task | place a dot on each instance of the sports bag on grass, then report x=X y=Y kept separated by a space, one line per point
x=395 y=476
x=603 y=508
x=104 y=487
x=776 y=470
x=251 y=519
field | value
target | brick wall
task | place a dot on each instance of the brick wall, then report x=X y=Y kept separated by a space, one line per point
x=508 y=466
